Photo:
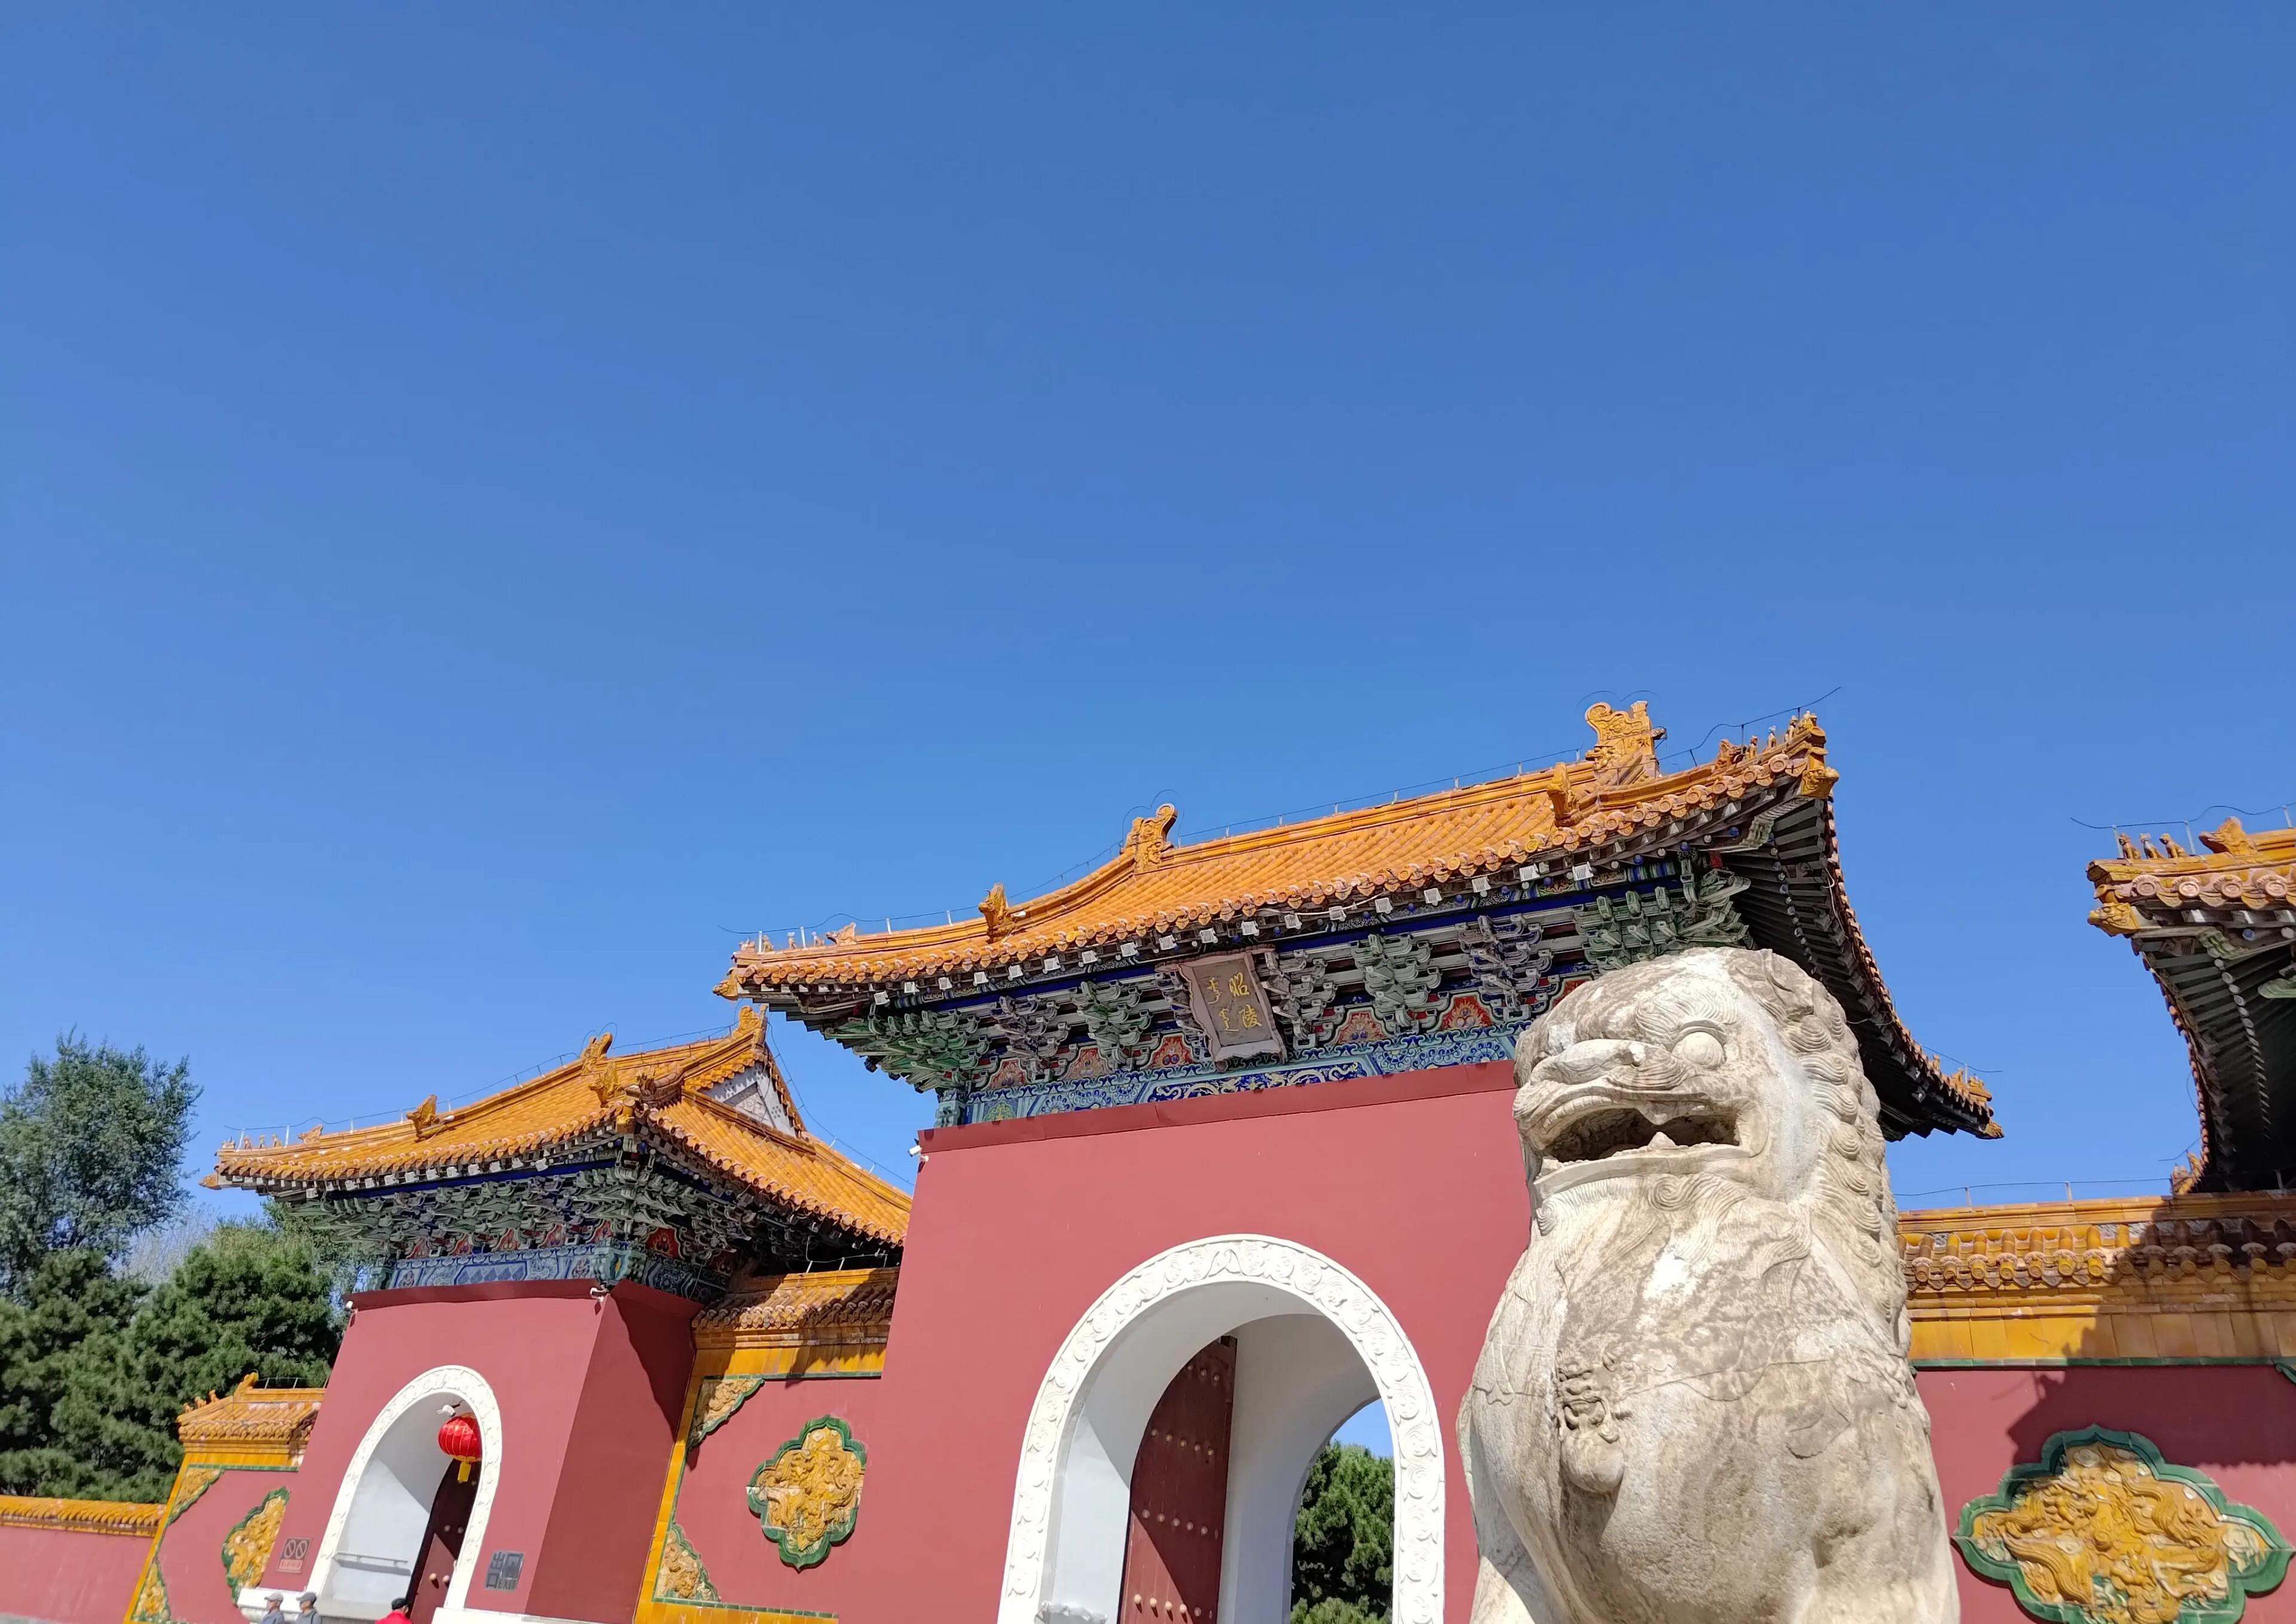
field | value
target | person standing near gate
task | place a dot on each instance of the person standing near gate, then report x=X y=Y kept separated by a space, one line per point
x=273 y=1608
x=398 y=1614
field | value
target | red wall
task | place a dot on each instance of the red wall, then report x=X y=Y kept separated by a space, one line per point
x=2236 y=1423
x=69 y=1577
x=592 y=1558
x=191 y=1550
x=1012 y=1238
x=713 y=1509
x=590 y=1389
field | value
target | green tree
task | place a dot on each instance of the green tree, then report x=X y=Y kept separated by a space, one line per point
x=90 y=1143
x=1343 y=1543
x=75 y=1302
x=247 y=1298
x=1330 y=1610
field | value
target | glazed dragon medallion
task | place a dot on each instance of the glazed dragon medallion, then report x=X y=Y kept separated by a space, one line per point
x=2104 y=1531
x=247 y=1548
x=808 y=1497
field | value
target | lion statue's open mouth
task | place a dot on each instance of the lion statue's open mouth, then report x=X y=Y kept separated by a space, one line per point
x=1598 y=1132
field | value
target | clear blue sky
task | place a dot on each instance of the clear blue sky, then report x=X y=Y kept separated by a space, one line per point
x=501 y=501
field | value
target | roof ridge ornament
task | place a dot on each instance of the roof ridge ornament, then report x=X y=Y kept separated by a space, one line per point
x=1150 y=840
x=1625 y=743
x=999 y=912
x=2229 y=838
x=426 y=1117
x=600 y=1075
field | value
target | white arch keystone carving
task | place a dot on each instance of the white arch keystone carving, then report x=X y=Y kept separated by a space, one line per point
x=1317 y=1282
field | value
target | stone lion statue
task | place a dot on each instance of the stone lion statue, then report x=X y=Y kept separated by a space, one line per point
x=1693 y=1404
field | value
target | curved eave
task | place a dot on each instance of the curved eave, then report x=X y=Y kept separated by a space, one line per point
x=760 y=1161
x=1798 y=906
x=1599 y=816
x=2216 y=929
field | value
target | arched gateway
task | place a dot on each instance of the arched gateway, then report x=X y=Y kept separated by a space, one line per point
x=386 y=1505
x=1065 y=1559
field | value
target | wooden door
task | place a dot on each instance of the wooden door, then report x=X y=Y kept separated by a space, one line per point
x=1179 y=1495
x=442 y=1543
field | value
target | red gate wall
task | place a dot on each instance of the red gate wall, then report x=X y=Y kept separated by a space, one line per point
x=1414 y=1182
x=592 y=1389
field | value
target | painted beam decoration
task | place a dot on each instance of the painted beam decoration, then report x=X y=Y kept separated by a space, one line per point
x=2103 y=1531
x=1395 y=937
x=808 y=1497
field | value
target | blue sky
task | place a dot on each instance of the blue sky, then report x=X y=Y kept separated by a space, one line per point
x=501 y=503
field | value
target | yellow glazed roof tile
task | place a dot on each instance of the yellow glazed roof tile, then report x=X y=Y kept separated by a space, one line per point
x=829 y=1306
x=659 y=1092
x=125 y=1517
x=250 y=1414
x=2151 y=883
x=1154 y=886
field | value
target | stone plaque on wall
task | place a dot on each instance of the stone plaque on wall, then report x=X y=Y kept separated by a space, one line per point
x=1231 y=1008
x=503 y=1569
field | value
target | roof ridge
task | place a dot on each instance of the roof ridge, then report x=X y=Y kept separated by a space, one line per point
x=1618 y=778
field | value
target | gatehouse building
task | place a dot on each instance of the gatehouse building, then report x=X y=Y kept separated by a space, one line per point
x=1223 y=1151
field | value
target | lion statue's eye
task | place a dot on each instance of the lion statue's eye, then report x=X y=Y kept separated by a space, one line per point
x=1698 y=1048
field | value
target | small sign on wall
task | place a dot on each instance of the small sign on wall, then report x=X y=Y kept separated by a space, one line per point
x=293 y=1554
x=502 y=1568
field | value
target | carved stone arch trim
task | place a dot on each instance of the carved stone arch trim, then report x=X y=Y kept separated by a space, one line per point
x=1319 y=1285
x=444 y=1381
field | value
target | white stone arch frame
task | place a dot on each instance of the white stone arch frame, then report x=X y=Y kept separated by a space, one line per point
x=1287 y=1270
x=442 y=1382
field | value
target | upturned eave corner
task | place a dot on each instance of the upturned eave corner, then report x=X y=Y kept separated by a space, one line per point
x=2212 y=918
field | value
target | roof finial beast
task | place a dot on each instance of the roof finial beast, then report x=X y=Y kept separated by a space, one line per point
x=1626 y=743
x=1151 y=837
x=996 y=912
x=2228 y=839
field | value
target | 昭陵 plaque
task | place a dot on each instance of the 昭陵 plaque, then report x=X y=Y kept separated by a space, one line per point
x=1231 y=1008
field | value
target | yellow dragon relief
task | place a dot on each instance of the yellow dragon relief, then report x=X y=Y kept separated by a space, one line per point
x=808 y=1497
x=2107 y=1538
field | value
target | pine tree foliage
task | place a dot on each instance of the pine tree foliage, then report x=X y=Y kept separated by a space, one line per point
x=90 y=1144
x=247 y=1299
x=76 y=1305
x=1343 y=1543
x=94 y=1365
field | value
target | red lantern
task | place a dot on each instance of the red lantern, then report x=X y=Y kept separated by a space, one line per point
x=459 y=1438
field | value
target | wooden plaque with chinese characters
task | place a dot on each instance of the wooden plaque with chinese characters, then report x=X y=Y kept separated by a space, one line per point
x=1231 y=1008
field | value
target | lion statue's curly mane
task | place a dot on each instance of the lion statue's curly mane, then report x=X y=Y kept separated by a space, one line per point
x=1693 y=1404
